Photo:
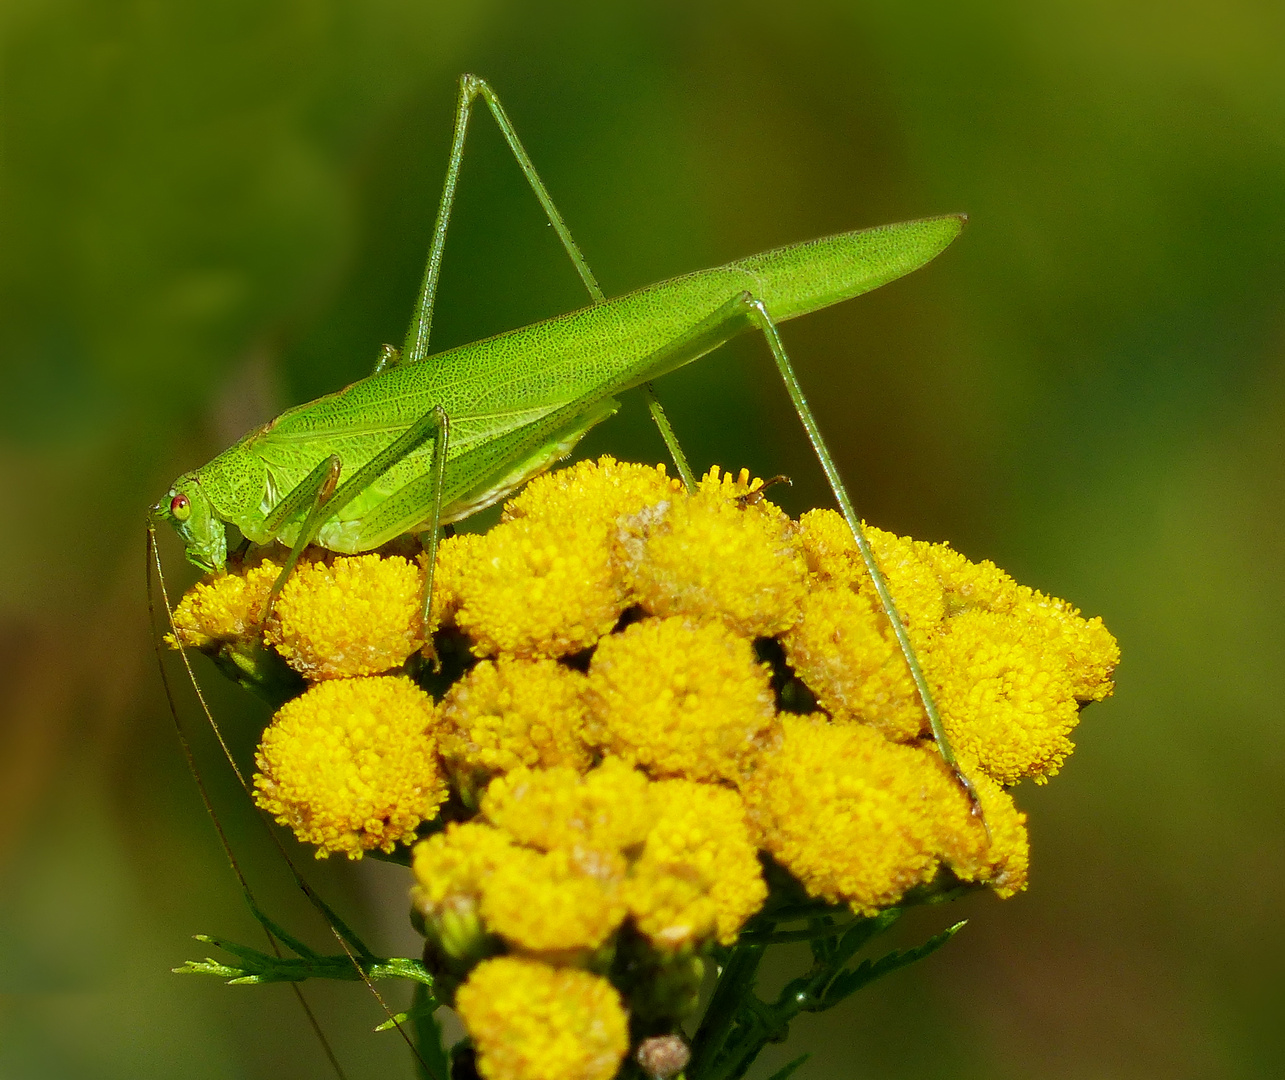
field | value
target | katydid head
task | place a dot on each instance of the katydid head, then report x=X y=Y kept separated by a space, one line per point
x=188 y=510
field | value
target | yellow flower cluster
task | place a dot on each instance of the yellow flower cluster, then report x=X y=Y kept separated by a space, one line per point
x=681 y=698
x=510 y=712
x=558 y=859
x=1010 y=667
x=352 y=764
x=544 y=582
x=358 y=616
x=860 y=819
x=225 y=608
x=712 y=555
x=615 y=752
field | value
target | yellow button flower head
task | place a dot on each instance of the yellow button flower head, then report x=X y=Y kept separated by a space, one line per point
x=921 y=600
x=451 y=866
x=852 y=815
x=680 y=698
x=358 y=615
x=607 y=489
x=970 y=584
x=351 y=764
x=545 y=902
x=834 y=560
x=543 y=582
x=1005 y=698
x=699 y=874
x=1084 y=645
x=225 y=608
x=513 y=712
x=600 y=814
x=845 y=651
x=451 y=871
x=531 y=1021
x=718 y=554
x=524 y=591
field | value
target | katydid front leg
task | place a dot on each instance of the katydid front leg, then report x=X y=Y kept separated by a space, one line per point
x=329 y=497
x=314 y=491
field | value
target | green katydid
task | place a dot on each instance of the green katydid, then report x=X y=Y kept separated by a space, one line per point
x=429 y=439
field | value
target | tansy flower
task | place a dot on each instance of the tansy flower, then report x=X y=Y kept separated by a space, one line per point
x=226 y=607
x=852 y=815
x=680 y=698
x=835 y=561
x=969 y=584
x=451 y=870
x=598 y=815
x=578 y=853
x=543 y=582
x=698 y=875
x=1085 y=646
x=1087 y=649
x=719 y=553
x=920 y=598
x=998 y=853
x=1005 y=697
x=546 y=902
x=844 y=650
x=351 y=764
x=524 y=591
x=531 y=1021
x=513 y=712
x=349 y=616
x=452 y=865
x=605 y=489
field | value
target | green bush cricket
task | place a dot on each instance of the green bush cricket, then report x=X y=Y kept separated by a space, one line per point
x=427 y=440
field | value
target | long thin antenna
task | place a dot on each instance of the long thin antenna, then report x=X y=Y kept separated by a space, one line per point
x=352 y=946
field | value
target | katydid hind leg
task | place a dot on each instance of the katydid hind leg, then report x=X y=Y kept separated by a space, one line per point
x=745 y=312
x=581 y=264
x=417 y=337
x=757 y=313
x=471 y=88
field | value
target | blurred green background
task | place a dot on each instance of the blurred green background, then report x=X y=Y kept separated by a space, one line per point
x=210 y=211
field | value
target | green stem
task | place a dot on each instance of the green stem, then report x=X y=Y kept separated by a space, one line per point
x=735 y=981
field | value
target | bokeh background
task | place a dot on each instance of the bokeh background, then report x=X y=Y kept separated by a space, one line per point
x=210 y=211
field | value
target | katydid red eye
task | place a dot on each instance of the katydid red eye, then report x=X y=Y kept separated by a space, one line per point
x=180 y=507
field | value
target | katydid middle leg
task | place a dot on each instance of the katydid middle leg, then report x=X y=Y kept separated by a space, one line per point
x=417 y=336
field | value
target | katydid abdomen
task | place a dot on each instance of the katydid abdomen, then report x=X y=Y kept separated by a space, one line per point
x=519 y=401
